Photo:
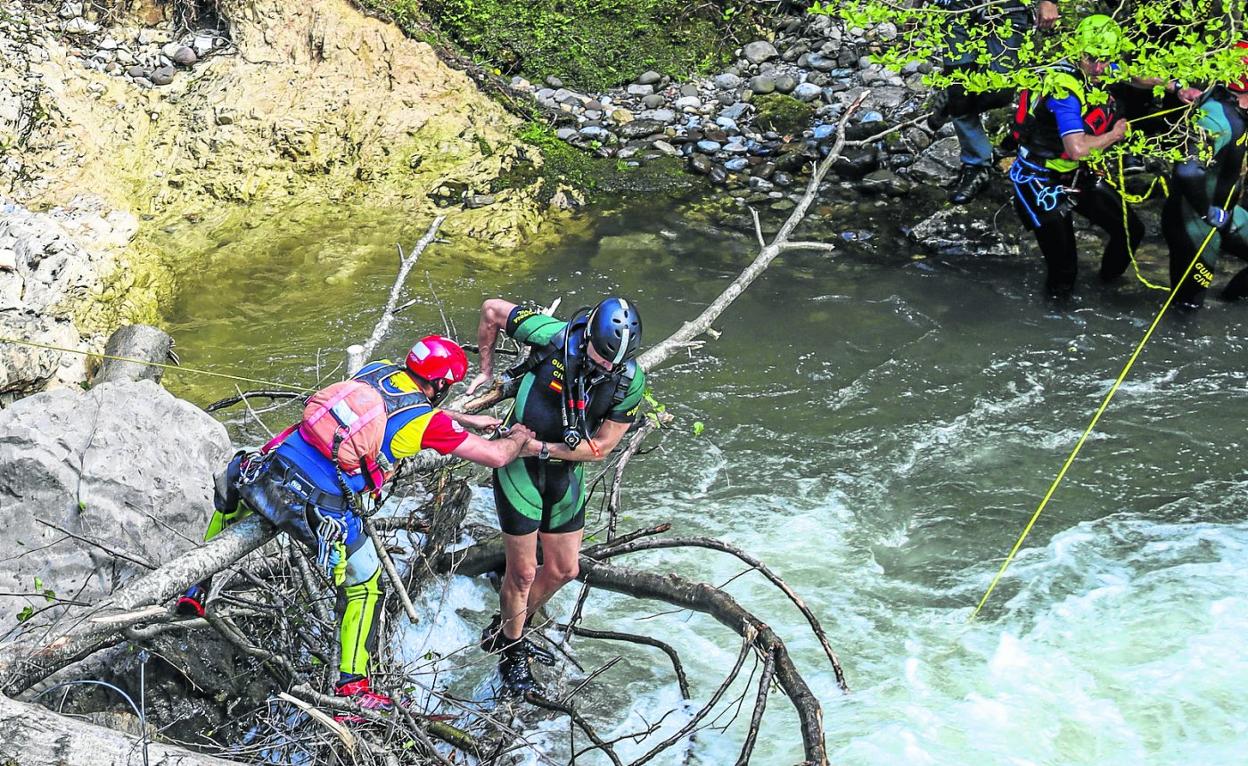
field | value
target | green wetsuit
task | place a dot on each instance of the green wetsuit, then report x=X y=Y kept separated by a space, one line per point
x=1196 y=188
x=549 y=495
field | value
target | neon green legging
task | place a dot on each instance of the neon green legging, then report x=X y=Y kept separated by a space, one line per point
x=360 y=593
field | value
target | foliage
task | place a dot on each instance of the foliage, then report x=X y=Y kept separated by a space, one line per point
x=1192 y=42
x=782 y=113
x=593 y=44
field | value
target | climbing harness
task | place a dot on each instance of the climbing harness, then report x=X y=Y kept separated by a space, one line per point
x=1092 y=423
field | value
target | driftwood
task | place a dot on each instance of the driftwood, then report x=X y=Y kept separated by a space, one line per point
x=32 y=734
x=139 y=342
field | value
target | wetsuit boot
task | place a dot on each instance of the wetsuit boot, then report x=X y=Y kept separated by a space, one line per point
x=360 y=691
x=517 y=675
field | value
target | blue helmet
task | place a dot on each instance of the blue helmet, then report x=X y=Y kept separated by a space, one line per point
x=614 y=329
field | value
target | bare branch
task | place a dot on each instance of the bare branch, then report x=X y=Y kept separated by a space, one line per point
x=668 y=649
x=406 y=262
x=760 y=704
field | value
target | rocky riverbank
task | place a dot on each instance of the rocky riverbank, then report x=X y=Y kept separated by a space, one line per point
x=757 y=125
x=283 y=106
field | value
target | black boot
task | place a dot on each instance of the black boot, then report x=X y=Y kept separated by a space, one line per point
x=971 y=181
x=517 y=676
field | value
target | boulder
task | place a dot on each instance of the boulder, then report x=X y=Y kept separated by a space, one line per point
x=126 y=465
x=759 y=51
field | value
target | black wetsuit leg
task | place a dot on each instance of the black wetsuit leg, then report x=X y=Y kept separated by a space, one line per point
x=1101 y=204
x=1184 y=234
x=1045 y=208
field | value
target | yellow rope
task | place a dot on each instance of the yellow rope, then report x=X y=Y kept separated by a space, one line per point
x=179 y=368
x=1092 y=424
x=1126 y=226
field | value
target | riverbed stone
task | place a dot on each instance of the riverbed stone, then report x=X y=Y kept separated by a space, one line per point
x=807 y=91
x=637 y=89
x=727 y=81
x=657 y=115
x=649 y=77
x=708 y=147
x=700 y=164
x=785 y=83
x=759 y=51
x=621 y=116
x=821 y=62
x=639 y=128
x=184 y=56
x=689 y=102
x=163 y=75
x=762 y=84
x=653 y=101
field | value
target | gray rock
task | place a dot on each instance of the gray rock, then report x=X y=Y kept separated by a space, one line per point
x=478 y=200
x=658 y=115
x=70 y=10
x=727 y=123
x=700 y=164
x=884 y=181
x=689 y=102
x=762 y=84
x=708 y=147
x=727 y=81
x=761 y=184
x=637 y=89
x=168 y=49
x=759 y=51
x=554 y=82
x=917 y=138
x=80 y=26
x=956 y=230
x=138 y=71
x=649 y=77
x=820 y=62
x=807 y=92
x=735 y=111
x=689 y=89
x=594 y=132
x=107 y=43
x=785 y=83
x=565 y=134
x=184 y=56
x=718 y=175
x=124 y=463
x=666 y=148
x=162 y=76
x=544 y=94
x=938 y=163
x=653 y=101
x=595 y=105
x=594 y=114
x=733 y=147
x=736 y=164
x=639 y=129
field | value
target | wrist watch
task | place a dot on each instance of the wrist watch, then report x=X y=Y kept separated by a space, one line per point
x=544 y=452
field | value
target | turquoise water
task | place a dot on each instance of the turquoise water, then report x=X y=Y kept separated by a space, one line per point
x=878 y=428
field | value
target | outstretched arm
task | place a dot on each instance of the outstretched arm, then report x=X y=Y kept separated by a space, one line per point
x=496 y=453
x=598 y=448
x=494 y=313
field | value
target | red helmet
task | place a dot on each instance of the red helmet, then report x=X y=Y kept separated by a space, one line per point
x=438 y=360
x=1240 y=85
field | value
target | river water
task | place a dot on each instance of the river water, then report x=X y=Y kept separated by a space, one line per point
x=878 y=428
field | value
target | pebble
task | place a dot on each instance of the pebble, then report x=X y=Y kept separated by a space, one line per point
x=184 y=56
x=785 y=83
x=205 y=43
x=554 y=82
x=658 y=115
x=700 y=164
x=708 y=147
x=736 y=164
x=653 y=101
x=649 y=77
x=637 y=89
x=689 y=102
x=735 y=111
x=727 y=81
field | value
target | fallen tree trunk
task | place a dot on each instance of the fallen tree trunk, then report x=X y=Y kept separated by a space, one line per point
x=32 y=734
x=28 y=660
x=687 y=594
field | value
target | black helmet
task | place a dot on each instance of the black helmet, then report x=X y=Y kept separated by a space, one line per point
x=614 y=329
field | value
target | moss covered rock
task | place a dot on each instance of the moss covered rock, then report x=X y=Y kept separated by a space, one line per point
x=593 y=44
x=783 y=114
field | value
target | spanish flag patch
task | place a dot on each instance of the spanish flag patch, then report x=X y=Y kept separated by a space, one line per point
x=556 y=386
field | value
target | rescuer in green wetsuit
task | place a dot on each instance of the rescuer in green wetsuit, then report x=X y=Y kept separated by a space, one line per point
x=1204 y=196
x=579 y=392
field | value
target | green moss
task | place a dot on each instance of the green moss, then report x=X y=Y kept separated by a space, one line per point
x=564 y=165
x=783 y=114
x=591 y=44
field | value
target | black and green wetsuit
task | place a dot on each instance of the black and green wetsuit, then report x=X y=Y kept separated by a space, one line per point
x=549 y=495
x=1197 y=188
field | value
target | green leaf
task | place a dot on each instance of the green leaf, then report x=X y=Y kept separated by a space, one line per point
x=38 y=583
x=27 y=612
x=49 y=595
x=698 y=427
